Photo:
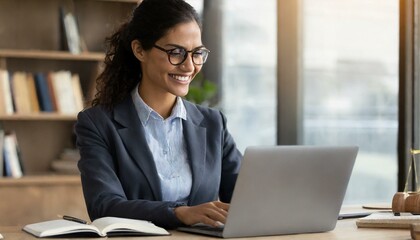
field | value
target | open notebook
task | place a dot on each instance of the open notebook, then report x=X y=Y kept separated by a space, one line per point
x=287 y=190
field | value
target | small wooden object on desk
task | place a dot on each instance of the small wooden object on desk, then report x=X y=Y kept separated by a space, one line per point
x=405 y=212
x=415 y=231
x=406 y=202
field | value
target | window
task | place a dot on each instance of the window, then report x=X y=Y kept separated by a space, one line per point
x=325 y=74
x=349 y=88
x=249 y=79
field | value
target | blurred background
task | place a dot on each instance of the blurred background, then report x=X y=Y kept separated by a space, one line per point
x=336 y=63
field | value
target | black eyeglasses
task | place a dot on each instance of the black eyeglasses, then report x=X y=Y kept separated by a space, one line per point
x=177 y=55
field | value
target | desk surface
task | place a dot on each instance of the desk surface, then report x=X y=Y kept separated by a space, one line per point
x=345 y=229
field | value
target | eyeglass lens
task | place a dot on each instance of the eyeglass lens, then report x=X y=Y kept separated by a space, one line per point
x=178 y=55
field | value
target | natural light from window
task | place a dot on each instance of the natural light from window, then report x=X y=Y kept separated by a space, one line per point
x=350 y=88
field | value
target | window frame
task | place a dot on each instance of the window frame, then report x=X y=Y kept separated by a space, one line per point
x=409 y=90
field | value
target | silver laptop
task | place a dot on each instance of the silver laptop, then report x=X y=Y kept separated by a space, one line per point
x=286 y=190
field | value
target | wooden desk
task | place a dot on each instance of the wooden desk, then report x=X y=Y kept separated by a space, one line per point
x=345 y=229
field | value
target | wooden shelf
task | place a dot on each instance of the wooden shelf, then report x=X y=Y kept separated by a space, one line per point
x=54 y=55
x=38 y=198
x=39 y=117
x=41 y=180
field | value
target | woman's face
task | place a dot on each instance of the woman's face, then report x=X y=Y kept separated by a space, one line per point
x=159 y=75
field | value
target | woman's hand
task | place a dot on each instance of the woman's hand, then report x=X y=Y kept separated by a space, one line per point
x=211 y=213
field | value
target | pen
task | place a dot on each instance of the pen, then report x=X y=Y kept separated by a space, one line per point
x=73 y=219
x=353 y=215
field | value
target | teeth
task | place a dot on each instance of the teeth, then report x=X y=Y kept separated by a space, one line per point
x=181 y=78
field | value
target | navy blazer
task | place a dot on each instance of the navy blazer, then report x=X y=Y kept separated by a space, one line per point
x=118 y=173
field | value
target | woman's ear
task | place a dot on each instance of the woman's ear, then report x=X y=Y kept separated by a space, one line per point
x=137 y=50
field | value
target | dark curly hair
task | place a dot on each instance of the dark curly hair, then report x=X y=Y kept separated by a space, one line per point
x=150 y=21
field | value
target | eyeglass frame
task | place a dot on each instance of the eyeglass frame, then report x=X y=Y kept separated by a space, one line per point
x=169 y=51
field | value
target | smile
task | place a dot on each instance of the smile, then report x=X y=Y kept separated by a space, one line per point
x=180 y=78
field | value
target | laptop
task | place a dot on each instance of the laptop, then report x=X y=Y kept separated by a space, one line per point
x=286 y=190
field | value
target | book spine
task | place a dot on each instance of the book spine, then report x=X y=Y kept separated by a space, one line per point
x=62 y=85
x=34 y=103
x=71 y=31
x=77 y=91
x=20 y=92
x=2 y=97
x=7 y=172
x=12 y=156
x=6 y=92
x=1 y=153
x=50 y=80
x=43 y=93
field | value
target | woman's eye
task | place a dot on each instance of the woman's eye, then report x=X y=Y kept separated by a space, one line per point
x=198 y=52
x=177 y=51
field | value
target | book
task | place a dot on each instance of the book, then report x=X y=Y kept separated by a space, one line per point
x=21 y=92
x=388 y=220
x=71 y=31
x=106 y=226
x=77 y=91
x=6 y=93
x=43 y=93
x=6 y=166
x=33 y=98
x=50 y=76
x=67 y=162
x=2 y=95
x=1 y=152
x=63 y=91
x=12 y=157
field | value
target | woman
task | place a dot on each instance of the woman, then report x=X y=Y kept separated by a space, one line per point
x=145 y=152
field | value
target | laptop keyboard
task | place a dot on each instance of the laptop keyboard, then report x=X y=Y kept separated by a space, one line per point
x=208 y=228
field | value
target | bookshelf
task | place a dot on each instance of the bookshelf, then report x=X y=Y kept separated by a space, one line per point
x=33 y=40
x=36 y=198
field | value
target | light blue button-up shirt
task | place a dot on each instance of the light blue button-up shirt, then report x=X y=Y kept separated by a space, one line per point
x=166 y=142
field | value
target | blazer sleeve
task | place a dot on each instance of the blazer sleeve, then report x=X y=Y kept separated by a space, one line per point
x=231 y=159
x=104 y=193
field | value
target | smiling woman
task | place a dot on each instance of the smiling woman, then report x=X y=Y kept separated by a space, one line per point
x=145 y=152
x=168 y=70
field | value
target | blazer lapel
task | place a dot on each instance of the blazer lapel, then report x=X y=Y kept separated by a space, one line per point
x=133 y=136
x=195 y=137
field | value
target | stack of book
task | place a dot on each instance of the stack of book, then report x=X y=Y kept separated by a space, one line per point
x=26 y=93
x=10 y=158
x=67 y=162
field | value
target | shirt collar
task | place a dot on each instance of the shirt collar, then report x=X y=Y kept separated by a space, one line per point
x=145 y=112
